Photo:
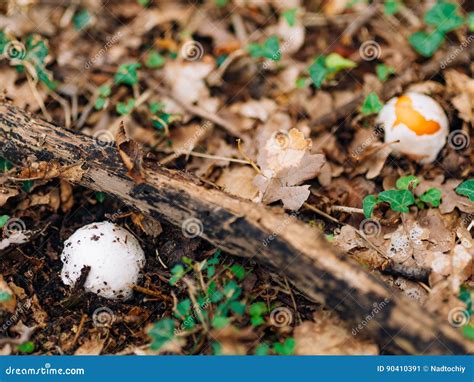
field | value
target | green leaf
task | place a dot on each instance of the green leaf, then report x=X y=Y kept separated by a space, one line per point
x=221 y=59
x=127 y=74
x=220 y=322
x=221 y=3
x=156 y=107
x=237 y=307
x=5 y=296
x=468 y=332
x=105 y=91
x=143 y=3
x=257 y=310
x=335 y=63
x=368 y=205
x=154 y=60
x=465 y=296
x=426 y=44
x=318 y=71
x=4 y=40
x=285 y=348
x=469 y=22
x=269 y=49
x=5 y=165
x=183 y=307
x=466 y=189
x=161 y=332
x=409 y=182
x=262 y=349
x=3 y=220
x=178 y=272
x=36 y=50
x=26 y=347
x=372 y=104
x=100 y=196
x=301 y=82
x=383 y=72
x=432 y=196
x=81 y=19
x=100 y=103
x=125 y=108
x=391 y=7
x=290 y=16
x=27 y=185
x=232 y=290
x=399 y=200
x=211 y=271
x=444 y=16
x=238 y=271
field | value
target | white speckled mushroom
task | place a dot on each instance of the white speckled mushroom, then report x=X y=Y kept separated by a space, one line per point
x=418 y=123
x=113 y=254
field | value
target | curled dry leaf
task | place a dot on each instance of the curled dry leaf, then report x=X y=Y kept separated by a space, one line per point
x=286 y=162
x=50 y=170
x=131 y=155
x=328 y=335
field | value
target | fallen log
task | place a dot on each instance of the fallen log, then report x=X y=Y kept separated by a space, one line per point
x=241 y=228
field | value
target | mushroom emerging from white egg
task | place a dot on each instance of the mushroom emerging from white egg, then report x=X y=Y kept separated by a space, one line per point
x=418 y=122
x=113 y=254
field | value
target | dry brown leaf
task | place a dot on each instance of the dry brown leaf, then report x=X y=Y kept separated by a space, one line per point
x=449 y=198
x=238 y=181
x=151 y=227
x=91 y=346
x=187 y=79
x=131 y=155
x=461 y=87
x=328 y=335
x=286 y=162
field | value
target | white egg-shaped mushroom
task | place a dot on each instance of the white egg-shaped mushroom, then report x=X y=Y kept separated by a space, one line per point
x=113 y=254
x=418 y=125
